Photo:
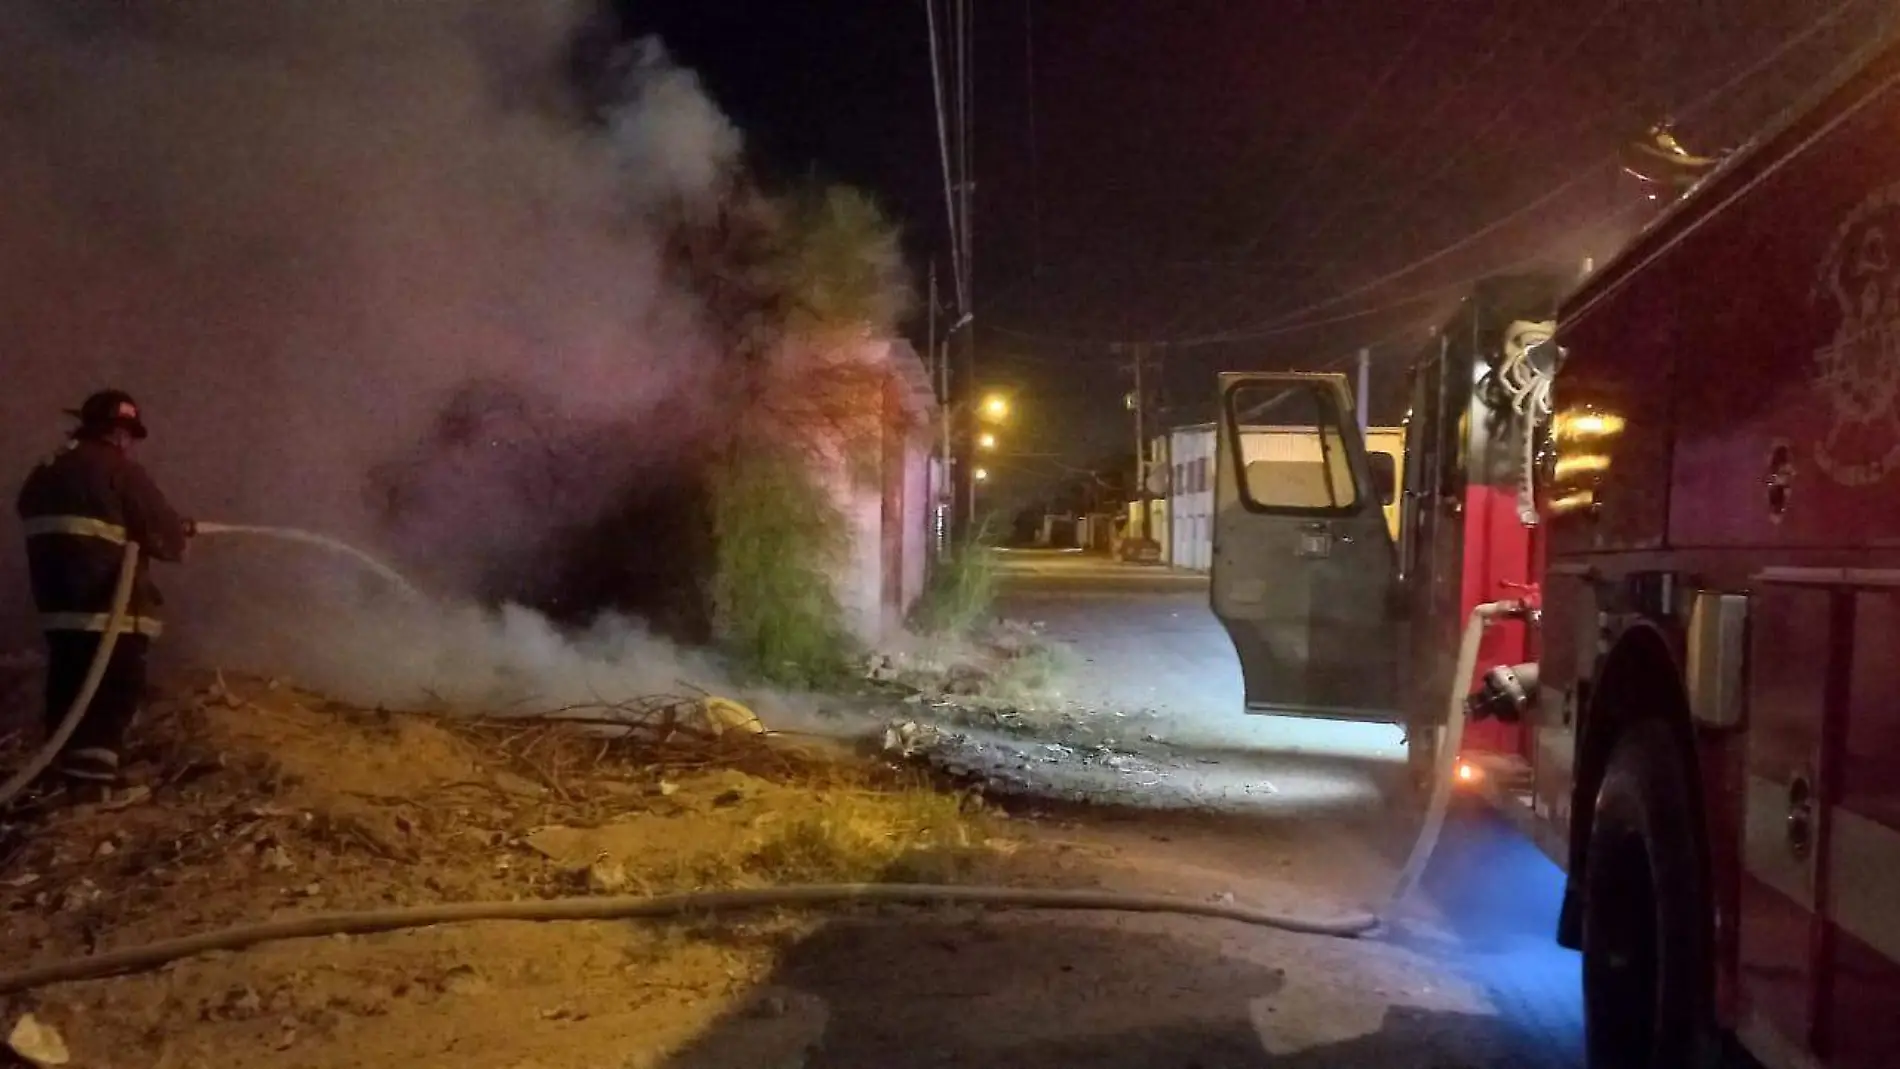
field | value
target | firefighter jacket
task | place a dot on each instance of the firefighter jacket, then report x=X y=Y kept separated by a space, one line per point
x=79 y=508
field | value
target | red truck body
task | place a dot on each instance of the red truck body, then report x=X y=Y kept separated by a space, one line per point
x=1708 y=734
x=1728 y=560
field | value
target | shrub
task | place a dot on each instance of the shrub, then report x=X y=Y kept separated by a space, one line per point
x=960 y=593
x=778 y=539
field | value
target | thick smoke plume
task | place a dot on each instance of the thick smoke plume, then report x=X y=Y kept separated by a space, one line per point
x=298 y=232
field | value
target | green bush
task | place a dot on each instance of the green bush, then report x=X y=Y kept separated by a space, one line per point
x=778 y=538
x=961 y=591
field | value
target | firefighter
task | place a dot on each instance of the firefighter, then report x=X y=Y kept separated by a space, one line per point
x=78 y=509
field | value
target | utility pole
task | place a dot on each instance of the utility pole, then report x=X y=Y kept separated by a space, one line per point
x=1141 y=441
x=965 y=339
x=955 y=110
x=940 y=372
x=1365 y=391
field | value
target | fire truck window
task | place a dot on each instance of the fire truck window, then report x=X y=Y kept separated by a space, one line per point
x=1292 y=450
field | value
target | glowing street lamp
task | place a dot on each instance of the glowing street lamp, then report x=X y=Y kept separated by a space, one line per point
x=995 y=406
x=986 y=440
x=982 y=474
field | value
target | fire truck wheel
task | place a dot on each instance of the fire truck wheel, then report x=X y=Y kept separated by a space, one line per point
x=1645 y=931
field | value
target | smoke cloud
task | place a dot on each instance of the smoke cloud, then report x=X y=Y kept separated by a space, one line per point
x=295 y=231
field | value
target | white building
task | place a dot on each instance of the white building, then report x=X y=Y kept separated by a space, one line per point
x=1190 y=501
x=1186 y=454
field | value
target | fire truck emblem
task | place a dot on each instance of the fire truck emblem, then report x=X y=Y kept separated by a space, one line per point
x=1858 y=371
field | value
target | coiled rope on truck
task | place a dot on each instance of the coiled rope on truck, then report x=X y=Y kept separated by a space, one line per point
x=1529 y=392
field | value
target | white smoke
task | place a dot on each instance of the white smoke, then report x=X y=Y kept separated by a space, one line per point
x=406 y=654
x=292 y=230
x=675 y=146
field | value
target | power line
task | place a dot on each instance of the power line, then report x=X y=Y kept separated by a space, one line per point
x=1290 y=321
x=1501 y=36
x=957 y=275
x=966 y=126
x=1453 y=159
x=1541 y=257
x=1035 y=141
x=1495 y=225
x=1340 y=134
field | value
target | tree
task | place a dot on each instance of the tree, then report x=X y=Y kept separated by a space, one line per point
x=800 y=290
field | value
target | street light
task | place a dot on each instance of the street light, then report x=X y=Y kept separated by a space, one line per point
x=982 y=474
x=995 y=406
x=986 y=440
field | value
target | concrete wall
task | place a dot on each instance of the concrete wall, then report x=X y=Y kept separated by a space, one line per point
x=1190 y=497
x=890 y=508
x=858 y=581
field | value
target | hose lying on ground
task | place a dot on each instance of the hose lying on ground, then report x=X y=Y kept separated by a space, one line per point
x=95 y=674
x=152 y=955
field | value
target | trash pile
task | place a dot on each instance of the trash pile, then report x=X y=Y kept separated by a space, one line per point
x=1002 y=765
x=1011 y=679
x=992 y=714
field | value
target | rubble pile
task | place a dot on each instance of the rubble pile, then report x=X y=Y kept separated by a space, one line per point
x=991 y=713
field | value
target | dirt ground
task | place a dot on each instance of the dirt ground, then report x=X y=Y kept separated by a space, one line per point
x=253 y=802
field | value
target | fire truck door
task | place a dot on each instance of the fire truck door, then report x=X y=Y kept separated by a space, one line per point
x=1304 y=568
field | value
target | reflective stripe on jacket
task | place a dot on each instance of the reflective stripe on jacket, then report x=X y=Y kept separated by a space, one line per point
x=83 y=526
x=78 y=510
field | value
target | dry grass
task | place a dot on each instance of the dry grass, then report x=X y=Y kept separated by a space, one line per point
x=916 y=836
x=266 y=801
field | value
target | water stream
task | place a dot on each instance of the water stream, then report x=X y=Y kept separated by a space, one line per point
x=312 y=538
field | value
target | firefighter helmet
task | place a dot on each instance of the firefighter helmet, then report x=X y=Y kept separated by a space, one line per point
x=107 y=410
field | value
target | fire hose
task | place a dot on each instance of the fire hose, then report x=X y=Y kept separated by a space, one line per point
x=115 y=626
x=597 y=908
x=95 y=674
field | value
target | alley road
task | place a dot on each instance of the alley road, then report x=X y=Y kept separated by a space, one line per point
x=1151 y=646
x=1180 y=793
x=1336 y=816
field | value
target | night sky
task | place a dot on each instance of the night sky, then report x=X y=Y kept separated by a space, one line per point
x=1186 y=170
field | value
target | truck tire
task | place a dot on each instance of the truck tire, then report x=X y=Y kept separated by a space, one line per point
x=1646 y=926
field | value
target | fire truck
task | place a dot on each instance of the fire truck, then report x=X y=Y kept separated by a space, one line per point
x=1680 y=477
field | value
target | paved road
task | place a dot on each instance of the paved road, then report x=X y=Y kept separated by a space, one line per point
x=1151 y=645
x=1300 y=818
x=1149 y=641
